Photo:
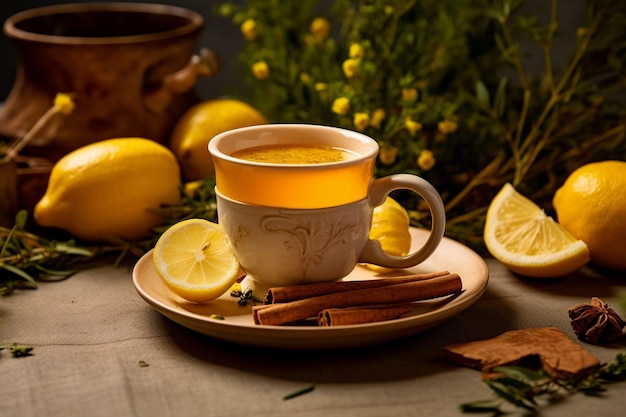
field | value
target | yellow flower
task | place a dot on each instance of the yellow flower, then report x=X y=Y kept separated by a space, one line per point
x=409 y=94
x=361 y=121
x=388 y=154
x=350 y=67
x=447 y=126
x=63 y=103
x=412 y=126
x=260 y=70
x=341 y=106
x=320 y=28
x=248 y=29
x=389 y=10
x=322 y=91
x=305 y=78
x=356 y=51
x=378 y=115
x=426 y=160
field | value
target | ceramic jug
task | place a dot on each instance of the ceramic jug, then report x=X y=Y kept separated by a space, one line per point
x=130 y=67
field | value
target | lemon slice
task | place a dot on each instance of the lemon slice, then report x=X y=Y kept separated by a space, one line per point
x=390 y=226
x=527 y=241
x=195 y=260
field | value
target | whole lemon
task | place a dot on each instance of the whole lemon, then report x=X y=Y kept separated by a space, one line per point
x=108 y=188
x=591 y=205
x=199 y=124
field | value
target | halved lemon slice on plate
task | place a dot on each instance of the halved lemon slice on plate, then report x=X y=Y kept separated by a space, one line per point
x=195 y=260
x=527 y=241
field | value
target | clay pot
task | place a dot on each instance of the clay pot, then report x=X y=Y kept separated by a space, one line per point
x=8 y=191
x=129 y=66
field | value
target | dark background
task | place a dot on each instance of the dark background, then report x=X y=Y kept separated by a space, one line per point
x=225 y=39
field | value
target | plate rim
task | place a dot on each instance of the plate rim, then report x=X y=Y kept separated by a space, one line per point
x=314 y=337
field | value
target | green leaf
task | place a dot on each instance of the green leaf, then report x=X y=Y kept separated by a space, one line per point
x=512 y=395
x=16 y=349
x=592 y=389
x=20 y=219
x=499 y=101
x=70 y=249
x=514 y=383
x=19 y=273
x=482 y=94
x=520 y=373
x=51 y=271
x=299 y=392
x=483 y=406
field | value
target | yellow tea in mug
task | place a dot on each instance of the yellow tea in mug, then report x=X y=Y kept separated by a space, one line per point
x=293 y=166
x=293 y=154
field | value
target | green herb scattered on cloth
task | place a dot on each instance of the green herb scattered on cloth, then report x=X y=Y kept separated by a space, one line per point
x=525 y=366
x=17 y=350
x=299 y=392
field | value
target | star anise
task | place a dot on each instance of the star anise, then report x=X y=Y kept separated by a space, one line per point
x=596 y=322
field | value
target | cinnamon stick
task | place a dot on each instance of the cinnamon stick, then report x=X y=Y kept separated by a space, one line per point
x=299 y=292
x=357 y=315
x=281 y=313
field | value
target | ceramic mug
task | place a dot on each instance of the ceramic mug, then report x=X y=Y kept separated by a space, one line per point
x=298 y=223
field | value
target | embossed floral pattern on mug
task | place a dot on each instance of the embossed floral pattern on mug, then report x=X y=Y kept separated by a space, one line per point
x=310 y=239
x=296 y=246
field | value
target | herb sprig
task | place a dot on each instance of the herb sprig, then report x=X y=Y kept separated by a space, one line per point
x=245 y=296
x=17 y=350
x=524 y=387
x=24 y=255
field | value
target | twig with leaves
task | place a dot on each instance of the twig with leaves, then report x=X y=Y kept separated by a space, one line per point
x=524 y=387
x=24 y=256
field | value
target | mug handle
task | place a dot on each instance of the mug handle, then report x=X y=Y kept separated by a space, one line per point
x=373 y=253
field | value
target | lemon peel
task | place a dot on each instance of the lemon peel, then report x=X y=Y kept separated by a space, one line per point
x=390 y=227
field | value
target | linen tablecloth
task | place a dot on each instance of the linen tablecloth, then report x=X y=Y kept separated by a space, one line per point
x=100 y=350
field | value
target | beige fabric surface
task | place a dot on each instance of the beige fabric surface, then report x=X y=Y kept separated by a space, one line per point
x=91 y=331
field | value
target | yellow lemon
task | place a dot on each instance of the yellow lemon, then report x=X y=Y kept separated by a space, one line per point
x=390 y=227
x=195 y=260
x=591 y=205
x=109 y=188
x=527 y=241
x=199 y=124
